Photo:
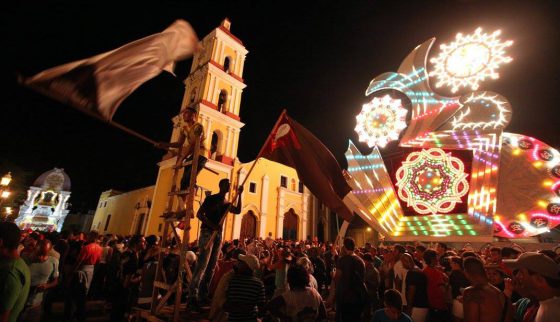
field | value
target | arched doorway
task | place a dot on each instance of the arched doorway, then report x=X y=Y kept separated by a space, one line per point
x=290 y=228
x=248 y=225
x=140 y=224
x=321 y=231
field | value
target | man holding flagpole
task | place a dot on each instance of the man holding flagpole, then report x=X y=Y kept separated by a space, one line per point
x=211 y=214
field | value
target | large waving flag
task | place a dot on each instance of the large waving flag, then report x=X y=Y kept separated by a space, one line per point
x=98 y=85
x=292 y=144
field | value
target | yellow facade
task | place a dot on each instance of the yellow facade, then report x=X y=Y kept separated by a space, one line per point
x=274 y=200
x=123 y=213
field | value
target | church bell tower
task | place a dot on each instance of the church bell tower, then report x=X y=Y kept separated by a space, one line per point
x=214 y=87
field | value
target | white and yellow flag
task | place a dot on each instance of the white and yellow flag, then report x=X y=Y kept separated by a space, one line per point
x=100 y=83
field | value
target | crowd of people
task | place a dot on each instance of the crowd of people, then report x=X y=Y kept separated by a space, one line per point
x=278 y=280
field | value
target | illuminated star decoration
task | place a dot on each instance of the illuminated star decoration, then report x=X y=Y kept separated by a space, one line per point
x=470 y=59
x=381 y=121
x=499 y=110
x=431 y=182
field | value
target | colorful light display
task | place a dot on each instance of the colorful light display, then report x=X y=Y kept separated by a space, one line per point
x=529 y=185
x=381 y=121
x=482 y=110
x=513 y=182
x=432 y=182
x=469 y=60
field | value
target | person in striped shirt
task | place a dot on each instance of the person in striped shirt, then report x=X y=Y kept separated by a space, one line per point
x=245 y=297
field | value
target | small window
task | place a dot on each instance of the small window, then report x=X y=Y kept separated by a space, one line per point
x=284 y=182
x=159 y=228
x=222 y=99
x=252 y=187
x=214 y=145
x=293 y=185
x=107 y=222
x=300 y=187
x=105 y=204
x=227 y=63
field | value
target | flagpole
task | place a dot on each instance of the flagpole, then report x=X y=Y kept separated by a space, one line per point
x=132 y=132
x=211 y=239
x=263 y=147
x=92 y=114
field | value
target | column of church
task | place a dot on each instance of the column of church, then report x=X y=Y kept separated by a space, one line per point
x=264 y=206
x=305 y=213
x=229 y=140
x=280 y=214
x=315 y=218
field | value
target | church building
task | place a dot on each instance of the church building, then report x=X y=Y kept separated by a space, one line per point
x=46 y=205
x=274 y=199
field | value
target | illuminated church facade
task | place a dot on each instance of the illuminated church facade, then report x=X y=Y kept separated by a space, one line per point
x=46 y=205
x=274 y=201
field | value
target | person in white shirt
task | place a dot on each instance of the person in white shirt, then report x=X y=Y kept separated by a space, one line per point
x=400 y=272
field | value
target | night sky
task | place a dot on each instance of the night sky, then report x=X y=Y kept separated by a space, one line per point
x=314 y=58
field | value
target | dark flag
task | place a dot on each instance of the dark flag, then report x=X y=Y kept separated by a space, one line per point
x=293 y=145
x=98 y=85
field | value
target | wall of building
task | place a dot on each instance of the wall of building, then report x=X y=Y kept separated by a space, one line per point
x=123 y=213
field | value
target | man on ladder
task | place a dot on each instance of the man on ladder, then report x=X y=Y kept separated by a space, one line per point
x=190 y=131
x=211 y=213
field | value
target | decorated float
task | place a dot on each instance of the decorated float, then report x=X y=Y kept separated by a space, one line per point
x=455 y=174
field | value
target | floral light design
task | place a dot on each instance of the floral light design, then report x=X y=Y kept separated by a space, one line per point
x=381 y=121
x=431 y=182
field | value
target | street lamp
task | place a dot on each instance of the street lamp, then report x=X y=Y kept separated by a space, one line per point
x=4 y=192
x=6 y=179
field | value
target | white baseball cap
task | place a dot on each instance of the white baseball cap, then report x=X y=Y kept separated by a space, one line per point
x=251 y=260
x=536 y=262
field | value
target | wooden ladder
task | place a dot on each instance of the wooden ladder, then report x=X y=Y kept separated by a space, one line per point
x=171 y=217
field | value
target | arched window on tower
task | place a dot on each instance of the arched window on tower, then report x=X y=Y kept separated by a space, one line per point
x=222 y=99
x=227 y=64
x=214 y=145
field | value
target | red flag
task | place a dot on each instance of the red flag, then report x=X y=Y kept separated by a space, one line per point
x=293 y=145
x=100 y=83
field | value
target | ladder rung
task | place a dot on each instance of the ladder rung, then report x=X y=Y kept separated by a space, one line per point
x=178 y=193
x=163 y=285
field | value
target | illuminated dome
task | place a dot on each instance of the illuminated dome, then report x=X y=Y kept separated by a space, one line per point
x=55 y=179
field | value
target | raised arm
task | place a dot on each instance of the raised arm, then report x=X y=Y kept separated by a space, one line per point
x=237 y=208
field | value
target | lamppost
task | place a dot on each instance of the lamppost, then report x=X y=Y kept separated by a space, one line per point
x=4 y=192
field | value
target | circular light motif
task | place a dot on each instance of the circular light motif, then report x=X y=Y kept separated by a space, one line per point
x=539 y=222
x=469 y=60
x=381 y=121
x=430 y=181
x=482 y=110
x=555 y=171
x=516 y=228
x=553 y=209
